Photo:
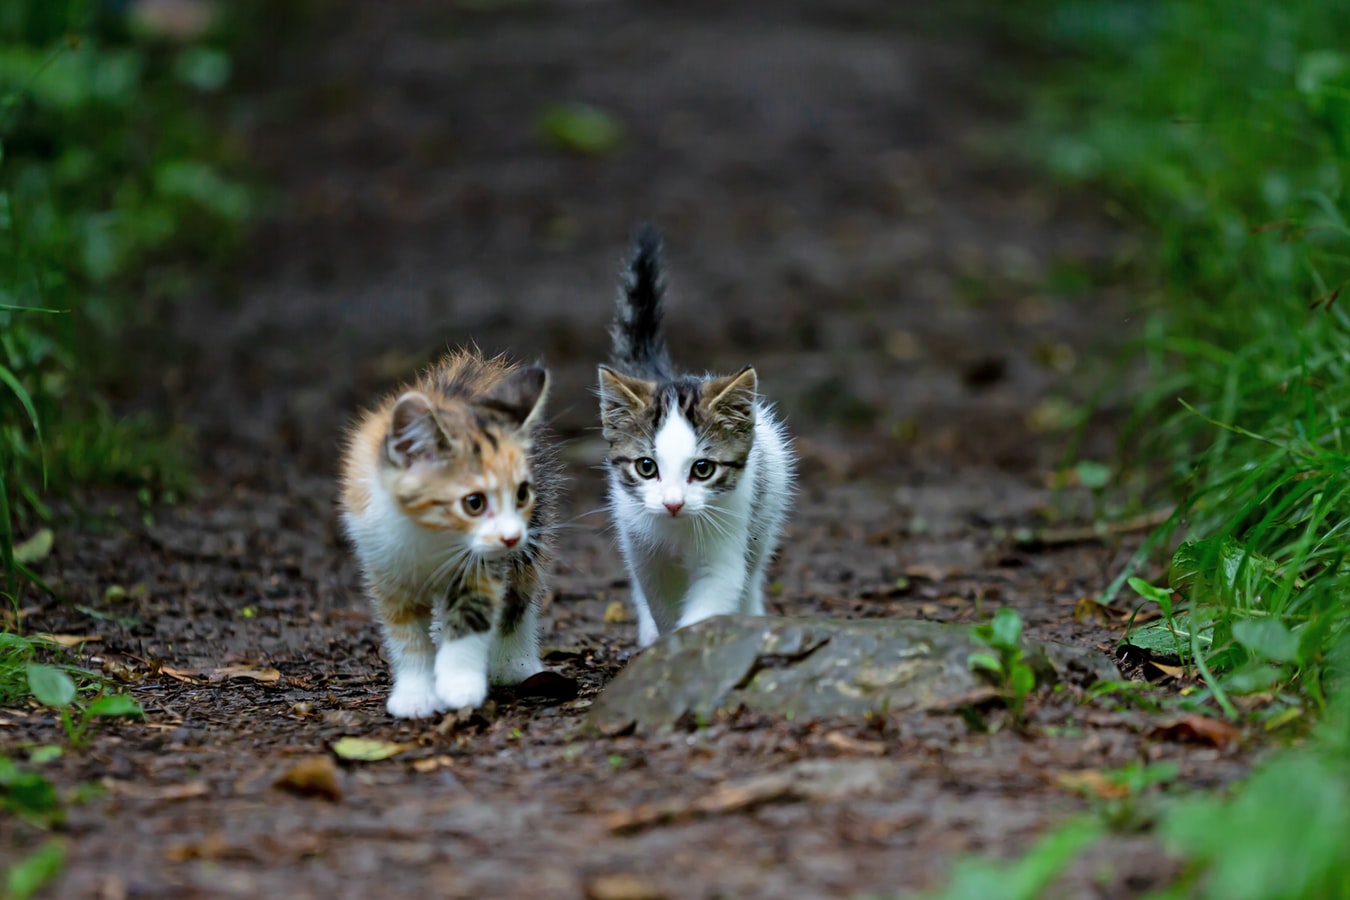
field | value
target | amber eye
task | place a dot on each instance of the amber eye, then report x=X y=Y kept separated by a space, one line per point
x=645 y=467
x=523 y=493
x=475 y=504
x=703 y=469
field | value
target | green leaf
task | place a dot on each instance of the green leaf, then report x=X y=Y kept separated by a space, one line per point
x=50 y=686
x=1093 y=475
x=580 y=128
x=1023 y=680
x=1158 y=595
x=1007 y=629
x=1222 y=566
x=36 y=548
x=985 y=661
x=1157 y=638
x=40 y=756
x=115 y=705
x=28 y=876
x=1267 y=637
x=367 y=749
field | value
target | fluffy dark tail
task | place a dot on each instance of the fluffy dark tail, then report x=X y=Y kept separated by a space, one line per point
x=639 y=338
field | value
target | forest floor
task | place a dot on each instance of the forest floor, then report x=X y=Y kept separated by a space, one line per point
x=834 y=215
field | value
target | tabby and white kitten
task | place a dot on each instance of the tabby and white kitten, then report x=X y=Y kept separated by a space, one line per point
x=700 y=470
x=447 y=495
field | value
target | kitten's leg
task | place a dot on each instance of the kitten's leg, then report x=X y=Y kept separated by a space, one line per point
x=754 y=592
x=515 y=653
x=407 y=639
x=715 y=592
x=467 y=630
x=647 y=630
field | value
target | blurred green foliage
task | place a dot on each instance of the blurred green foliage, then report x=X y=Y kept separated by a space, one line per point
x=115 y=184
x=1223 y=129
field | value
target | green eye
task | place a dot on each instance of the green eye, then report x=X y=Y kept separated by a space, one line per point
x=523 y=493
x=703 y=469
x=645 y=467
x=475 y=504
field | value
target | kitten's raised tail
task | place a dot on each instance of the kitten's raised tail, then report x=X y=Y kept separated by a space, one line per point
x=639 y=338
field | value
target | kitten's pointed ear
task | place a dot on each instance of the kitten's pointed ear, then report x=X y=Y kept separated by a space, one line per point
x=621 y=397
x=731 y=398
x=519 y=396
x=414 y=432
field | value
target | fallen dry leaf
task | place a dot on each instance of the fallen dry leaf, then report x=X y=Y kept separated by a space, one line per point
x=925 y=571
x=1091 y=781
x=130 y=789
x=368 y=749
x=616 y=613
x=181 y=674
x=68 y=640
x=312 y=776
x=267 y=675
x=622 y=886
x=849 y=744
x=1168 y=671
x=1197 y=729
x=212 y=846
x=432 y=763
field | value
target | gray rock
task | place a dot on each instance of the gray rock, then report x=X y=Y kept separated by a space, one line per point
x=812 y=668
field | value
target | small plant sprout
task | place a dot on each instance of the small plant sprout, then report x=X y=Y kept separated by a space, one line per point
x=1004 y=662
x=54 y=688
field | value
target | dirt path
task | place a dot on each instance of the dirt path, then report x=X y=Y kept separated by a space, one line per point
x=829 y=217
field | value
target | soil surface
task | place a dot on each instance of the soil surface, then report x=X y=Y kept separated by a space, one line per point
x=834 y=213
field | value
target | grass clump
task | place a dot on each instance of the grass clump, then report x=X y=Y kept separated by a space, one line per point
x=1223 y=129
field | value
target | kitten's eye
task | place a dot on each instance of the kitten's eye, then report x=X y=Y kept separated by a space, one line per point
x=475 y=504
x=703 y=469
x=523 y=493
x=645 y=467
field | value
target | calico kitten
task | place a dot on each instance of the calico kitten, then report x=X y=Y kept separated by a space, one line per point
x=700 y=470
x=447 y=495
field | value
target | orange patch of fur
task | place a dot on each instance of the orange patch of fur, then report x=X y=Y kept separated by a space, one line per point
x=363 y=455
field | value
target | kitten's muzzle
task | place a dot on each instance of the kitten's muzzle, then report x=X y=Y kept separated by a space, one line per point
x=674 y=506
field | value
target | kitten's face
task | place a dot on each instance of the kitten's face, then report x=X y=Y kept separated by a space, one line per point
x=463 y=468
x=675 y=448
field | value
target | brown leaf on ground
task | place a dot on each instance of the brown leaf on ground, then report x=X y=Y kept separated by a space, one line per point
x=212 y=846
x=1091 y=781
x=727 y=799
x=68 y=640
x=432 y=763
x=1166 y=671
x=1197 y=729
x=849 y=744
x=616 y=613
x=622 y=886
x=191 y=677
x=312 y=776
x=253 y=673
x=134 y=791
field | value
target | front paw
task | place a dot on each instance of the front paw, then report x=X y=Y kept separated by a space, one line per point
x=460 y=688
x=414 y=698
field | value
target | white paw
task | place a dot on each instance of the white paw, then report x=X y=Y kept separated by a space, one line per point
x=458 y=688
x=414 y=698
x=514 y=671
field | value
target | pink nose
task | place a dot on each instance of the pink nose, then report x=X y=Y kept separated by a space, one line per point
x=511 y=540
x=674 y=506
